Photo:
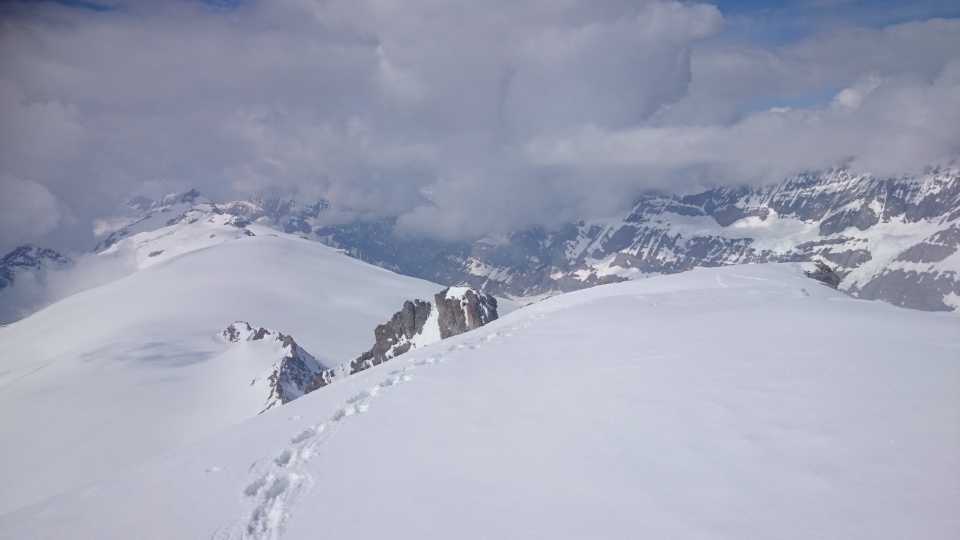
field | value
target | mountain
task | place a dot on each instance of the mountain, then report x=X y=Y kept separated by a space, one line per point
x=891 y=239
x=146 y=215
x=114 y=375
x=289 y=375
x=742 y=402
x=28 y=258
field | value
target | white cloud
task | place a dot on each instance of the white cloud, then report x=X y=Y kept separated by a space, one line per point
x=508 y=113
x=885 y=127
x=27 y=211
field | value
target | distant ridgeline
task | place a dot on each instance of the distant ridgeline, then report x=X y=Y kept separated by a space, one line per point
x=892 y=239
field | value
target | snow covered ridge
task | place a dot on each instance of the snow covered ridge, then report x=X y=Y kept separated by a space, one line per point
x=28 y=258
x=455 y=310
x=146 y=215
x=290 y=375
x=197 y=226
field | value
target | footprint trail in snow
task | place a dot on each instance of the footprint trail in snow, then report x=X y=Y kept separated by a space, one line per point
x=280 y=479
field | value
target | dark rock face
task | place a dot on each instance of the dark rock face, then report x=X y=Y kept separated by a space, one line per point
x=456 y=311
x=291 y=375
x=849 y=259
x=911 y=289
x=459 y=314
x=393 y=339
x=934 y=249
x=824 y=274
x=27 y=258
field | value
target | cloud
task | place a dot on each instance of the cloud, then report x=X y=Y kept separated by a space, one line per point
x=27 y=211
x=882 y=126
x=506 y=114
x=33 y=291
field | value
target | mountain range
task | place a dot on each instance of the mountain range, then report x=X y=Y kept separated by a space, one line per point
x=889 y=239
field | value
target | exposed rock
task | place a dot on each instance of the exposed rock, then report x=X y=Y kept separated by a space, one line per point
x=911 y=289
x=934 y=249
x=28 y=258
x=291 y=374
x=418 y=323
x=824 y=274
x=393 y=339
x=852 y=258
x=462 y=309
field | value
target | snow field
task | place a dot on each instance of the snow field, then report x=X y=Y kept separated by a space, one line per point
x=114 y=375
x=743 y=402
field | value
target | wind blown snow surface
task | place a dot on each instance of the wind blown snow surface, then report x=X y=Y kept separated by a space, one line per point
x=741 y=402
x=114 y=375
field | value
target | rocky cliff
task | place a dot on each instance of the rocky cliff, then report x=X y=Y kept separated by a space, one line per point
x=455 y=310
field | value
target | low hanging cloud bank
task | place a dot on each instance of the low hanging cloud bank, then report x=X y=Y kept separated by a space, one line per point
x=882 y=126
x=460 y=119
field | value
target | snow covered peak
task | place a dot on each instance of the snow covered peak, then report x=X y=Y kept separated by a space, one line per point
x=242 y=331
x=149 y=216
x=291 y=372
x=27 y=258
x=281 y=210
x=201 y=225
x=183 y=197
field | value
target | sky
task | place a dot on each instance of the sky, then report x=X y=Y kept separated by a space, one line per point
x=458 y=118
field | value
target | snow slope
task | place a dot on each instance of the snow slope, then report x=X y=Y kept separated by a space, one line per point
x=741 y=402
x=109 y=377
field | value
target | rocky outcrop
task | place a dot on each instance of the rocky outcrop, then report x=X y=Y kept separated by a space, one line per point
x=462 y=309
x=396 y=337
x=824 y=274
x=928 y=291
x=291 y=374
x=455 y=310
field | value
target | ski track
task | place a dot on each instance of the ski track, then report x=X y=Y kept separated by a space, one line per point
x=280 y=479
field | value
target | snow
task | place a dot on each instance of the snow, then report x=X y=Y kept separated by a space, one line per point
x=109 y=377
x=741 y=402
x=457 y=293
x=430 y=333
x=155 y=217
